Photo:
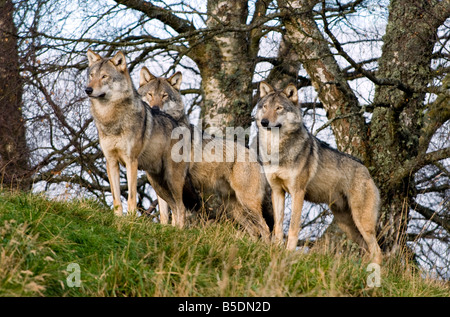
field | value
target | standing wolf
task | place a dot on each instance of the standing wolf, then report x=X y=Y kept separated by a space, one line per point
x=163 y=94
x=226 y=168
x=309 y=169
x=133 y=135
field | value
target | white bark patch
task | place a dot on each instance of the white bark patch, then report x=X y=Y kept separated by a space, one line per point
x=216 y=13
x=219 y=99
x=225 y=44
x=321 y=75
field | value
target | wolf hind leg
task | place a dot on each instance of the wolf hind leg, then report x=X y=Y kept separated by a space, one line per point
x=364 y=207
x=253 y=224
x=345 y=222
x=250 y=202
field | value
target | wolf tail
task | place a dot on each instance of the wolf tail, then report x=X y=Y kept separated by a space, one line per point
x=267 y=208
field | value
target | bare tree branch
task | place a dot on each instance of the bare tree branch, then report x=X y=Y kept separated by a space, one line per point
x=359 y=66
x=156 y=12
x=433 y=215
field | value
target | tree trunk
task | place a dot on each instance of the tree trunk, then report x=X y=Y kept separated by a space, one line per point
x=334 y=92
x=226 y=64
x=14 y=154
x=398 y=117
x=286 y=67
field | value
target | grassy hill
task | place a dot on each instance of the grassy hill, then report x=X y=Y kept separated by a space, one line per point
x=45 y=244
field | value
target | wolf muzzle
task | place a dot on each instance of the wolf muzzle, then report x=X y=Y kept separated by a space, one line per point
x=265 y=124
x=90 y=90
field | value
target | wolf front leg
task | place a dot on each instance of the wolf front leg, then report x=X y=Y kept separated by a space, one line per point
x=178 y=214
x=112 y=169
x=296 y=216
x=181 y=216
x=278 y=197
x=163 y=211
x=132 y=168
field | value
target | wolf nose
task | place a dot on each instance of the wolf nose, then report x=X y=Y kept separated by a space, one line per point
x=265 y=123
x=89 y=90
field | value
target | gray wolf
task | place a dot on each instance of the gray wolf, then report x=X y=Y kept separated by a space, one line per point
x=239 y=182
x=310 y=169
x=132 y=134
x=163 y=94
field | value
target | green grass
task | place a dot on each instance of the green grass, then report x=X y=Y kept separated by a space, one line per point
x=130 y=256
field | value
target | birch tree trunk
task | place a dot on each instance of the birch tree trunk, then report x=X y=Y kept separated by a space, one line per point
x=227 y=62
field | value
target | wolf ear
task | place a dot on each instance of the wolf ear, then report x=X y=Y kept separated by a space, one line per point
x=264 y=89
x=92 y=57
x=119 y=61
x=145 y=76
x=175 y=80
x=291 y=92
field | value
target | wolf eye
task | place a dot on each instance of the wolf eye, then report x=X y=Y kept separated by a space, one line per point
x=165 y=95
x=104 y=76
x=279 y=108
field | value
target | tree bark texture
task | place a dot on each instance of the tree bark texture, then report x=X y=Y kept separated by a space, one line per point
x=398 y=136
x=227 y=61
x=14 y=154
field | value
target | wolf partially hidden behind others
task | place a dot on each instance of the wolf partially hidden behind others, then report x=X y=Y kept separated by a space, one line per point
x=308 y=168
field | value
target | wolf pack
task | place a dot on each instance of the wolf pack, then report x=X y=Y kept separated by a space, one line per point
x=147 y=129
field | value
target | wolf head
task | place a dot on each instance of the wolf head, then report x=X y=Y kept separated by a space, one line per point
x=162 y=93
x=278 y=109
x=108 y=79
